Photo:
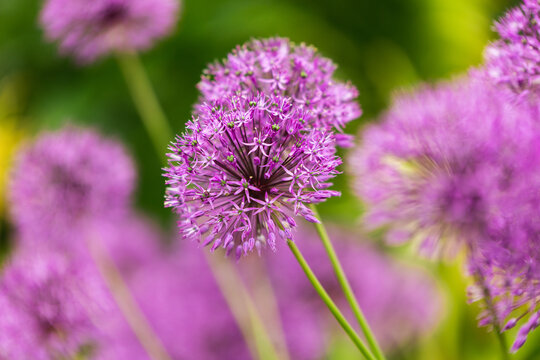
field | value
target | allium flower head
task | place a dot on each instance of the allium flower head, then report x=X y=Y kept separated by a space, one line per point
x=91 y=29
x=244 y=167
x=514 y=59
x=506 y=263
x=49 y=304
x=401 y=303
x=459 y=163
x=66 y=178
x=278 y=67
x=437 y=166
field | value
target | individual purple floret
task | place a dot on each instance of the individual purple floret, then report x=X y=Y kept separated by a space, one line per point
x=244 y=168
x=435 y=168
x=401 y=303
x=65 y=179
x=514 y=60
x=277 y=67
x=92 y=29
x=50 y=306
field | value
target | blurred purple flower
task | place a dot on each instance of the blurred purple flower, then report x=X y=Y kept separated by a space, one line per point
x=514 y=60
x=92 y=29
x=506 y=263
x=278 y=67
x=64 y=180
x=401 y=303
x=460 y=164
x=50 y=306
x=184 y=306
x=244 y=168
x=132 y=241
x=436 y=167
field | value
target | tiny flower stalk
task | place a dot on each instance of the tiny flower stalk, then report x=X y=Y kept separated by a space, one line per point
x=145 y=100
x=501 y=338
x=364 y=350
x=345 y=285
x=492 y=314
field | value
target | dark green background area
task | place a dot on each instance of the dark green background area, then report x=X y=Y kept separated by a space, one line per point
x=381 y=46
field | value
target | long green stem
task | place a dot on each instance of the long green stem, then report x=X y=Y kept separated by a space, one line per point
x=243 y=309
x=329 y=302
x=345 y=285
x=126 y=302
x=145 y=101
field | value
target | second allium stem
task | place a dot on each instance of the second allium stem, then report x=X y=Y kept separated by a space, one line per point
x=329 y=302
x=345 y=285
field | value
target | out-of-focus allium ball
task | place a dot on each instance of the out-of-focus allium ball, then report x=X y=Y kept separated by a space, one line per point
x=65 y=179
x=514 y=60
x=506 y=264
x=132 y=241
x=278 y=67
x=244 y=167
x=91 y=29
x=401 y=303
x=50 y=305
x=190 y=317
x=434 y=170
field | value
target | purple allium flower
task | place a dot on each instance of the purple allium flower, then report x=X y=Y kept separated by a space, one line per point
x=190 y=317
x=65 y=179
x=514 y=60
x=278 y=67
x=91 y=29
x=506 y=263
x=401 y=303
x=244 y=167
x=434 y=170
x=50 y=306
x=459 y=164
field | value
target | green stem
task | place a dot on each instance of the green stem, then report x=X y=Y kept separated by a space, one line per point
x=126 y=302
x=329 y=303
x=145 y=101
x=242 y=308
x=345 y=285
x=502 y=343
x=501 y=338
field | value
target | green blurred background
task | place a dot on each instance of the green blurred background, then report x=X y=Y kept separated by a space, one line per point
x=380 y=45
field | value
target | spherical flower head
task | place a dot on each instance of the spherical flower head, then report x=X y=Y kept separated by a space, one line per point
x=244 y=168
x=276 y=66
x=92 y=29
x=191 y=318
x=49 y=304
x=435 y=168
x=506 y=263
x=401 y=302
x=64 y=179
x=513 y=60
